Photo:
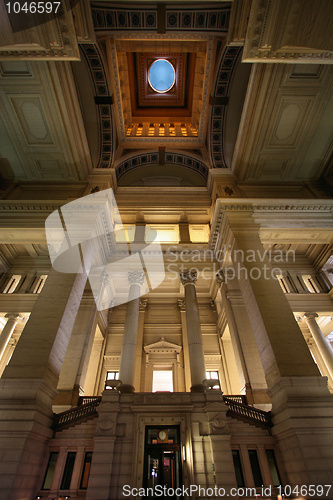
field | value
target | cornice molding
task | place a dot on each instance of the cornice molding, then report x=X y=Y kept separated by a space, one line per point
x=55 y=40
x=271 y=34
x=258 y=209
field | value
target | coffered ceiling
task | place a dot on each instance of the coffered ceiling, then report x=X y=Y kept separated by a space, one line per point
x=264 y=123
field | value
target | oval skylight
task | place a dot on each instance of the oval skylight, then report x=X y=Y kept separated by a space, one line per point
x=161 y=76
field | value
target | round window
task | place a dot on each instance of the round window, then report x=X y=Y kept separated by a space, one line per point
x=161 y=76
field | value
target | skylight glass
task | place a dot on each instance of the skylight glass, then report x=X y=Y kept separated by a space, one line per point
x=161 y=76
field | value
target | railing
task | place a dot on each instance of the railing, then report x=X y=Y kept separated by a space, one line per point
x=83 y=400
x=239 y=398
x=248 y=413
x=74 y=415
x=88 y=409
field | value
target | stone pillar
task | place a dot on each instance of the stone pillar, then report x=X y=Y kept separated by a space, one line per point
x=25 y=287
x=7 y=331
x=128 y=352
x=140 y=232
x=195 y=347
x=302 y=408
x=28 y=385
x=266 y=304
x=184 y=233
x=187 y=373
x=321 y=342
x=74 y=368
x=239 y=356
x=243 y=341
x=139 y=353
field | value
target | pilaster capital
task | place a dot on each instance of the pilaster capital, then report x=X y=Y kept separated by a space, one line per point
x=181 y=304
x=143 y=305
x=212 y=304
x=188 y=276
x=220 y=277
x=104 y=278
x=310 y=315
x=136 y=277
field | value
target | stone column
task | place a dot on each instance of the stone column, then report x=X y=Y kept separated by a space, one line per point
x=7 y=331
x=321 y=342
x=139 y=353
x=128 y=352
x=195 y=347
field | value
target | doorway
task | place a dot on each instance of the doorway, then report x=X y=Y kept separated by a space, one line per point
x=162 y=461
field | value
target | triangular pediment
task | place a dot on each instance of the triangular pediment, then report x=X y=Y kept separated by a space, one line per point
x=162 y=346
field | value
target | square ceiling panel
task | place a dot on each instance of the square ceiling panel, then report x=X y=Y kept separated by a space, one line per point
x=177 y=101
x=145 y=115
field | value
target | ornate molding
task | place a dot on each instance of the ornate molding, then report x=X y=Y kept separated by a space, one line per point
x=227 y=65
x=274 y=36
x=102 y=88
x=218 y=424
x=260 y=209
x=189 y=276
x=56 y=42
x=170 y=158
x=145 y=19
x=162 y=346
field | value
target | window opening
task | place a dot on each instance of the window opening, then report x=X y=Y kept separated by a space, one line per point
x=50 y=470
x=68 y=471
x=238 y=468
x=40 y=284
x=86 y=470
x=273 y=467
x=257 y=477
x=12 y=284
x=162 y=381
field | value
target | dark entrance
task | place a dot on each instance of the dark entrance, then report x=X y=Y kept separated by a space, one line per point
x=162 y=462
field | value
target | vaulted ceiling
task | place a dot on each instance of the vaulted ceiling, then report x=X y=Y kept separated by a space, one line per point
x=86 y=104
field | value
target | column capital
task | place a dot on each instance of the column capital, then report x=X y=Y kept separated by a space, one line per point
x=311 y=315
x=136 y=277
x=12 y=316
x=188 y=276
